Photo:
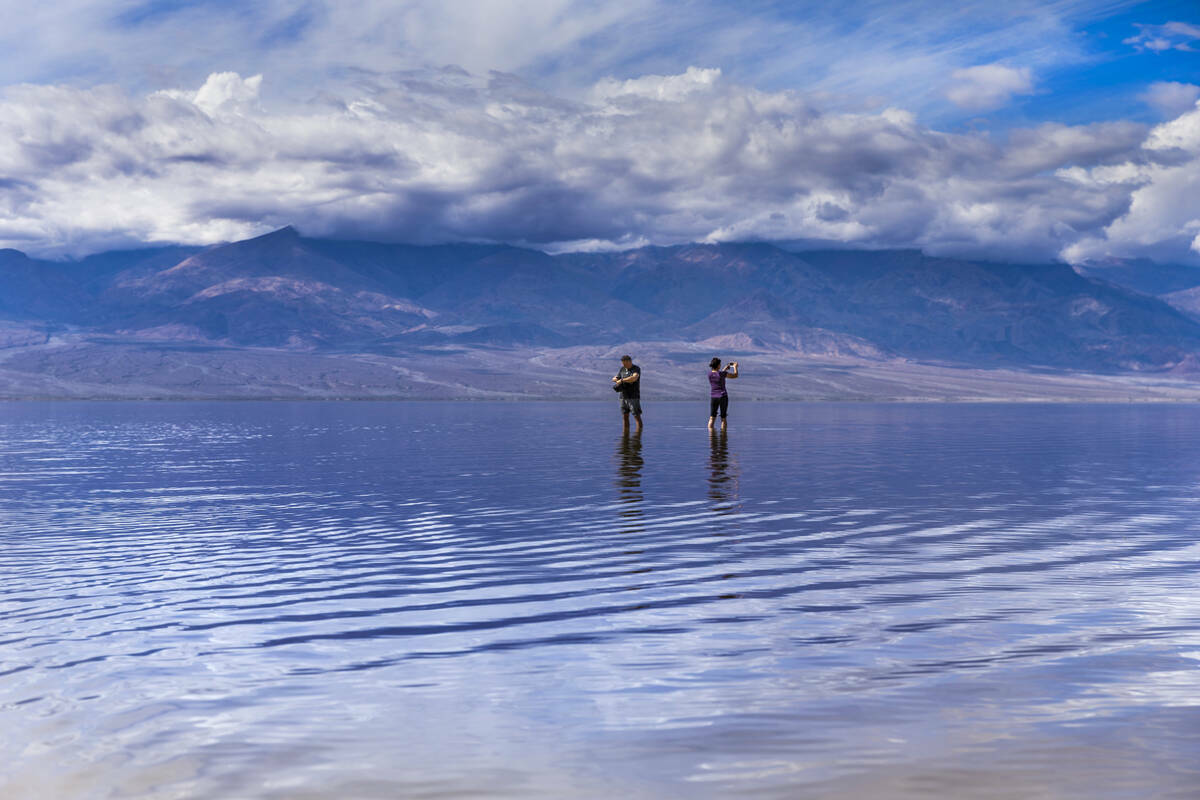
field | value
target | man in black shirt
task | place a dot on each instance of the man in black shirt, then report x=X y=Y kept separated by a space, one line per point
x=628 y=382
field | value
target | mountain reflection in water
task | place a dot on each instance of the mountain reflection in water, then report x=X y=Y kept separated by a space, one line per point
x=330 y=600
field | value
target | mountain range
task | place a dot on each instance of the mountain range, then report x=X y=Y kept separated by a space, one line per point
x=287 y=315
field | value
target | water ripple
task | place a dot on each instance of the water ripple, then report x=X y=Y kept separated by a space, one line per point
x=186 y=581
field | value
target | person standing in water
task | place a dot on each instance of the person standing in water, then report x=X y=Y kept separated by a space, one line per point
x=718 y=398
x=628 y=381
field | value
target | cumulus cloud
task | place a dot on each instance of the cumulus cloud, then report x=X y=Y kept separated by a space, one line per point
x=1171 y=36
x=227 y=91
x=1163 y=219
x=444 y=155
x=988 y=86
x=1171 y=98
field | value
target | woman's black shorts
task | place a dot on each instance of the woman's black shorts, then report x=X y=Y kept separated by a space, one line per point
x=716 y=404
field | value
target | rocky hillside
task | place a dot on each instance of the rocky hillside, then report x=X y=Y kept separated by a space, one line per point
x=292 y=294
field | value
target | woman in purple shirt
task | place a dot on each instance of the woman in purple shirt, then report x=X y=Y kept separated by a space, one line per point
x=718 y=398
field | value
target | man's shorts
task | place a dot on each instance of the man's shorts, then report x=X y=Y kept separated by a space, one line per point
x=631 y=405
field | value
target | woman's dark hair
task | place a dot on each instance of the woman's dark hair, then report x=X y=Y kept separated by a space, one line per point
x=716 y=362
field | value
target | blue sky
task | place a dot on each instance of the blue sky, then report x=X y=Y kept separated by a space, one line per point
x=1111 y=82
x=1085 y=66
x=1031 y=130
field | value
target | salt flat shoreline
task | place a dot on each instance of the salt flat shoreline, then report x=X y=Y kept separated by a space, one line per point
x=77 y=368
x=898 y=401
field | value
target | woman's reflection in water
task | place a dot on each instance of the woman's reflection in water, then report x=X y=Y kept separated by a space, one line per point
x=629 y=480
x=723 y=475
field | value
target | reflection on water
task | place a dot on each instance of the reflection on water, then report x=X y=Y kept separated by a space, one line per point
x=723 y=477
x=386 y=600
x=629 y=473
x=629 y=482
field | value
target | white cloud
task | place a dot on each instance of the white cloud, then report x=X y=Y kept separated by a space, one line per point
x=227 y=92
x=1163 y=219
x=444 y=155
x=852 y=53
x=988 y=86
x=659 y=87
x=1171 y=36
x=1171 y=98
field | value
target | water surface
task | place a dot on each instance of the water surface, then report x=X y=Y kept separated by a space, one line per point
x=378 y=600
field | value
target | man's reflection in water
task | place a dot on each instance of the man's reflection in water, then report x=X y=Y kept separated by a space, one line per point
x=723 y=475
x=629 y=480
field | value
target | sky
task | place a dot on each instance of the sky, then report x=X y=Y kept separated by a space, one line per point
x=1029 y=130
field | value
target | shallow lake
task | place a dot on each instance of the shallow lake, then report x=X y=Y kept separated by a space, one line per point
x=380 y=600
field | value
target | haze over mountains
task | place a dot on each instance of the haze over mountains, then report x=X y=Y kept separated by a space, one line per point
x=284 y=315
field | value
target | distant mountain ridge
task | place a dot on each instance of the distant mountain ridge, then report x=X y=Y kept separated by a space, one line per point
x=1143 y=276
x=284 y=290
